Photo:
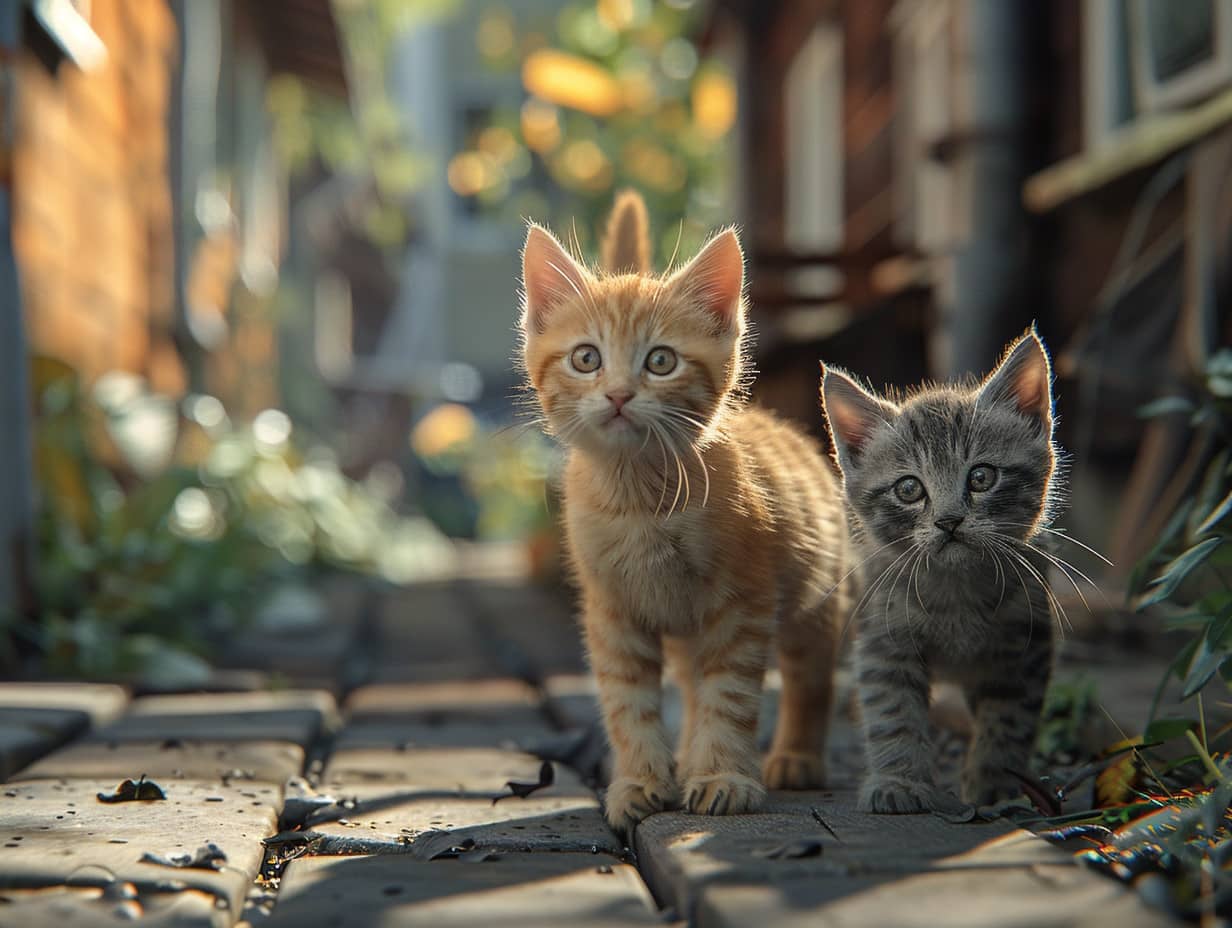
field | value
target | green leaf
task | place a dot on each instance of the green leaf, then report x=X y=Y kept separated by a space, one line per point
x=1219 y=626
x=1179 y=762
x=1167 y=729
x=1170 y=531
x=1210 y=491
x=1206 y=663
x=1177 y=570
x=1216 y=515
x=1165 y=405
x=1184 y=658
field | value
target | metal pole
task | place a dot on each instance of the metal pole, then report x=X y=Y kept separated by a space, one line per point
x=16 y=488
x=989 y=293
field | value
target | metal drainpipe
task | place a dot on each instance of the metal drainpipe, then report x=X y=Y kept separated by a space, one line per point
x=16 y=488
x=985 y=288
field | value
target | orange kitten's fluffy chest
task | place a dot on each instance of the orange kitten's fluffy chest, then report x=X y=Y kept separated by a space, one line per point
x=657 y=569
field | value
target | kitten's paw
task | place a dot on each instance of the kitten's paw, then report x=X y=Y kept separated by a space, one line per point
x=987 y=786
x=794 y=770
x=898 y=796
x=628 y=801
x=723 y=794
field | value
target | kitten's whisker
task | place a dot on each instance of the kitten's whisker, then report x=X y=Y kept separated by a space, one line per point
x=873 y=587
x=674 y=431
x=1063 y=536
x=1072 y=540
x=845 y=577
x=679 y=474
x=916 y=582
x=645 y=440
x=663 y=492
x=1044 y=585
x=1066 y=567
x=870 y=590
x=684 y=476
x=996 y=563
x=587 y=300
x=1062 y=565
x=672 y=260
x=705 y=474
x=1027 y=595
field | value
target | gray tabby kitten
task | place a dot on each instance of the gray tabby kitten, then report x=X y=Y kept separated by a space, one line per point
x=948 y=488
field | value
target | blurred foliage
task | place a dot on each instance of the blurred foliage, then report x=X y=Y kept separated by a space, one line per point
x=1064 y=721
x=162 y=528
x=618 y=95
x=365 y=136
x=1193 y=549
x=489 y=483
x=1154 y=809
x=615 y=93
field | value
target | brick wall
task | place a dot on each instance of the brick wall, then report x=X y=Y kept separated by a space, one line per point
x=92 y=221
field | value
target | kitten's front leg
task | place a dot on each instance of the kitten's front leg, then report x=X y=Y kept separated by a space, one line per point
x=893 y=686
x=1006 y=704
x=720 y=767
x=627 y=661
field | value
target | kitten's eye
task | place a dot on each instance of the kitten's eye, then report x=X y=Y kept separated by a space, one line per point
x=981 y=478
x=661 y=361
x=585 y=359
x=909 y=490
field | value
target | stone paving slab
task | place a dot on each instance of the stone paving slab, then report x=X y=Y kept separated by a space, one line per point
x=514 y=891
x=472 y=770
x=94 y=757
x=560 y=818
x=997 y=885
x=536 y=622
x=410 y=734
x=481 y=699
x=295 y=716
x=908 y=870
x=101 y=702
x=57 y=833
x=476 y=713
x=680 y=854
x=571 y=700
x=117 y=905
x=37 y=717
x=426 y=632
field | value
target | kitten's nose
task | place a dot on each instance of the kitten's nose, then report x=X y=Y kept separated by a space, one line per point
x=619 y=398
x=949 y=524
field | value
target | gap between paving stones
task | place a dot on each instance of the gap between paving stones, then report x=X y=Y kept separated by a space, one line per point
x=416 y=768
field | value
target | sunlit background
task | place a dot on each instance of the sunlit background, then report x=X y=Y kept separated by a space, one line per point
x=264 y=262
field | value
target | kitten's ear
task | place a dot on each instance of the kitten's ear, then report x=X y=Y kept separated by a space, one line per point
x=626 y=244
x=549 y=277
x=1024 y=378
x=852 y=412
x=715 y=279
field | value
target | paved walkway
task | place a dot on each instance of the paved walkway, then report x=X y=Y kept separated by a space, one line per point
x=362 y=793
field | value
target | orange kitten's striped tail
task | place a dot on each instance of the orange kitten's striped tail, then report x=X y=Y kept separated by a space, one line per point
x=626 y=243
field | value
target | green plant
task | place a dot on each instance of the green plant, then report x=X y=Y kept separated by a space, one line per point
x=1068 y=708
x=161 y=526
x=618 y=94
x=1195 y=545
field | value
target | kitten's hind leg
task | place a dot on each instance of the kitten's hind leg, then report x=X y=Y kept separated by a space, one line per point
x=627 y=661
x=806 y=652
x=1007 y=710
x=720 y=769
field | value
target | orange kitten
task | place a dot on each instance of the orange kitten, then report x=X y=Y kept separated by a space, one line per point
x=699 y=528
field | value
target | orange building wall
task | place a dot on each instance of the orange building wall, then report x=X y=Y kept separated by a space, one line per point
x=92 y=221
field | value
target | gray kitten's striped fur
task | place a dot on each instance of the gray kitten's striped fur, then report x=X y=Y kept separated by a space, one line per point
x=948 y=488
